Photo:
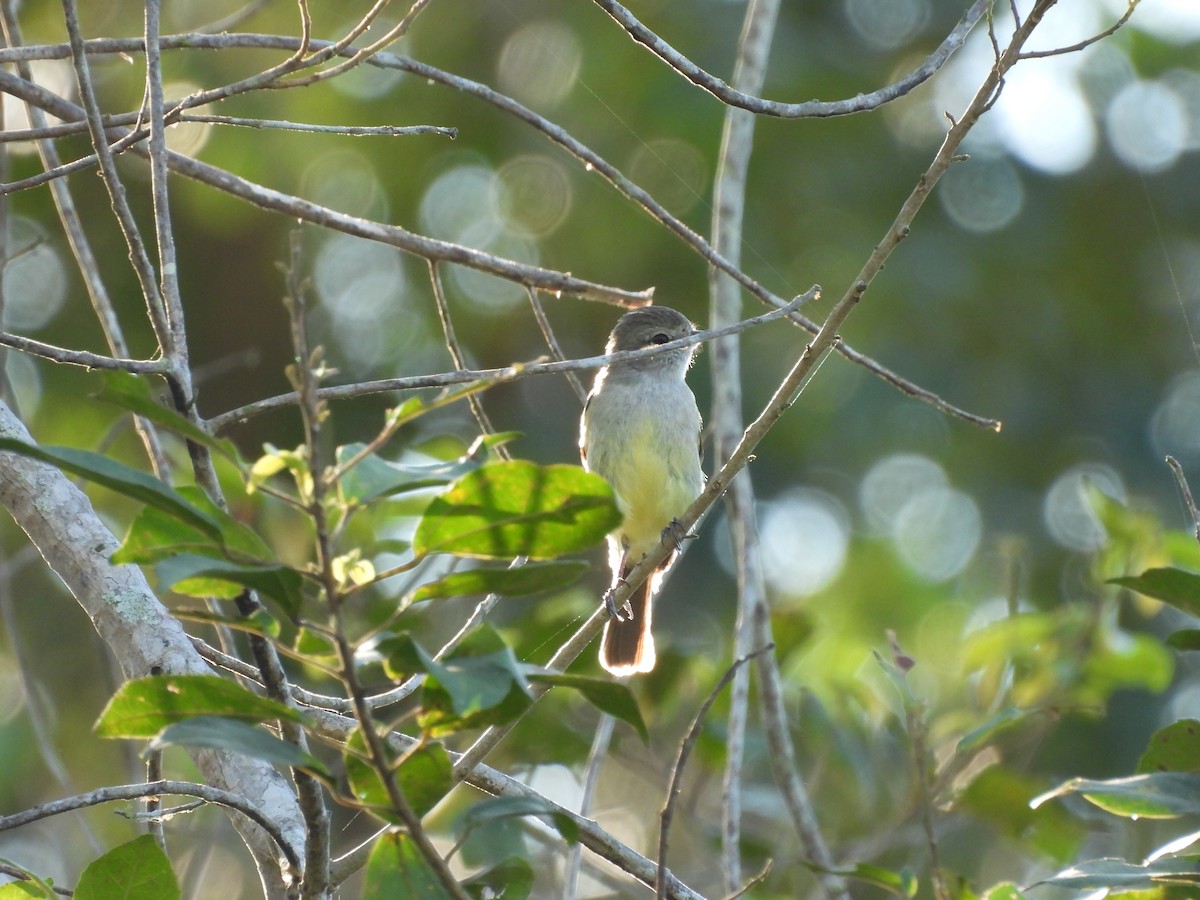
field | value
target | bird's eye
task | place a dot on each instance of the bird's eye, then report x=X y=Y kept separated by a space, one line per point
x=660 y=338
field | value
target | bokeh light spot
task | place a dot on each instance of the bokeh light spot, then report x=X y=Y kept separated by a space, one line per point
x=56 y=76
x=346 y=181
x=1147 y=126
x=35 y=280
x=673 y=171
x=1044 y=118
x=187 y=138
x=1067 y=509
x=489 y=293
x=891 y=483
x=1175 y=424
x=540 y=63
x=1186 y=86
x=532 y=195
x=368 y=82
x=25 y=381
x=937 y=532
x=887 y=24
x=805 y=536
x=982 y=195
x=457 y=201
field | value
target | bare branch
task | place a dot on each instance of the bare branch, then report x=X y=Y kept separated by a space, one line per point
x=82 y=357
x=808 y=109
x=725 y=305
x=127 y=792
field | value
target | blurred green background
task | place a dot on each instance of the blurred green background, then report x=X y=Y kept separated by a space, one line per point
x=1052 y=282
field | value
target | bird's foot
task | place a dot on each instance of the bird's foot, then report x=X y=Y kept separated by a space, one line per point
x=621 y=614
x=675 y=534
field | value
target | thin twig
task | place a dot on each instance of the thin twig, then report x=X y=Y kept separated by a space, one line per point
x=685 y=749
x=591 y=777
x=752 y=883
x=393 y=34
x=539 y=314
x=782 y=757
x=1075 y=48
x=112 y=181
x=1188 y=499
x=312 y=800
x=456 y=354
x=521 y=370
x=346 y=130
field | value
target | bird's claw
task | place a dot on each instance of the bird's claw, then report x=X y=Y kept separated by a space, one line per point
x=621 y=614
x=675 y=534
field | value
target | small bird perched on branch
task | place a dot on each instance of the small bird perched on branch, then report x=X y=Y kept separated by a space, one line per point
x=640 y=431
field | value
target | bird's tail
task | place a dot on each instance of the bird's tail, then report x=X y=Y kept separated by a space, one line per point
x=627 y=646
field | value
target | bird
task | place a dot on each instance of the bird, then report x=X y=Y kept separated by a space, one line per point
x=640 y=431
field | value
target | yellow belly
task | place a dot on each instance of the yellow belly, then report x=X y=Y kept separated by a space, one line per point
x=655 y=481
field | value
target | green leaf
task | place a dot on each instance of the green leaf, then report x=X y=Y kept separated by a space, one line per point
x=23 y=890
x=424 y=778
x=374 y=477
x=608 y=696
x=1160 y=795
x=481 y=684
x=120 y=478
x=1099 y=874
x=145 y=706
x=313 y=643
x=509 y=509
x=206 y=576
x=1174 y=586
x=155 y=535
x=527 y=579
x=132 y=392
x=496 y=808
x=1175 y=748
x=219 y=733
x=511 y=879
x=134 y=869
x=396 y=868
